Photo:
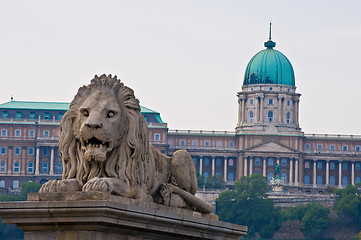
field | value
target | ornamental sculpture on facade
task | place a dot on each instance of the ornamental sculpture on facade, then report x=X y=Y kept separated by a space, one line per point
x=104 y=147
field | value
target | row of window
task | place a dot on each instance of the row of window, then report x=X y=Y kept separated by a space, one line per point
x=17 y=133
x=32 y=115
x=345 y=165
x=15 y=184
x=207 y=161
x=230 y=177
x=45 y=151
x=332 y=147
x=332 y=180
x=270 y=102
x=270 y=117
x=270 y=89
x=30 y=167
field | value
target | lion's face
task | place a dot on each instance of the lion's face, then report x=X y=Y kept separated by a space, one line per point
x=98 y=126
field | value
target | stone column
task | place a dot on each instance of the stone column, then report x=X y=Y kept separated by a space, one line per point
x=37 y=160
x=240 y=167
x=291 y=172
x=213 y=165
x=52 y=161
x=297 y=180
x=297 y=111
x=327 y=172
x=314 y=172
x=279 y=110
x=243 y=110
x=340 y=174
x=245 y=167
x=225 y=169
x=353 y=172
x=10 y=160
x=240 y=111
x=201 y=165
x=261 y=110
x=250 y=166
x=264 y=167
x=23 y=161
x=257 y=110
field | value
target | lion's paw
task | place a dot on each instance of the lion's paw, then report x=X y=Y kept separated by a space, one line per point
x=51 y=186
x=98 y=184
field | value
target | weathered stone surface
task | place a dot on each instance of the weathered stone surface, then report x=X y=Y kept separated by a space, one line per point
x=73 y=216
x=104 y=146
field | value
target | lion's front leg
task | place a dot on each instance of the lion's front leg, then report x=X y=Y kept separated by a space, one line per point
x=115 y=186
x=65 y=185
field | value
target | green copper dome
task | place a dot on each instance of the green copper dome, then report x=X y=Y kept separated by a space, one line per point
x=269 y=66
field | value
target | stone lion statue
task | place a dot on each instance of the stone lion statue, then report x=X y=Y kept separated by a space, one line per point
x=104 y=146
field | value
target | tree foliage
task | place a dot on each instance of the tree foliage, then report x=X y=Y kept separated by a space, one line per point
x=213 y=182
x=349 y=203
x=248 y=205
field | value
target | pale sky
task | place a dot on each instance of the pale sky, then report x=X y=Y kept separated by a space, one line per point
x=185 y=59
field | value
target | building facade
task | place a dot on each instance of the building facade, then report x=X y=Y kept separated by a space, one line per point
x=267 y=132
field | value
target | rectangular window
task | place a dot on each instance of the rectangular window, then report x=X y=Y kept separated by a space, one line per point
x=4 y=132
x=219 y=144
x=288 y=103
x=357 y=148
x=319 y=147
x=32 y=115
x=156 y=137
x=18 y=115
x=170 y=142
x=5 y=114
x=47 y=116
x=231 y=144
x=17 y=133
x=307 y=146
x=60 y=116
x=17 y=151
x=307 y=164
x=31 y=151
x=332 y=147
x=251 y=101
x=46 y=133
x=31 y=133
x=45 y=151
x=207 y=144
x=270 y=101
x=194 y=143
x=182 y=143
x=344 y=148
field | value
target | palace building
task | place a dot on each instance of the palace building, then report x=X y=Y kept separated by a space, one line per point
x=267 y=132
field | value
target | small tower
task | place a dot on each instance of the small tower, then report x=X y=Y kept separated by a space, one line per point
x=268 y=102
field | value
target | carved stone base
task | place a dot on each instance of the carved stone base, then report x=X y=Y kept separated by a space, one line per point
x=96 y=215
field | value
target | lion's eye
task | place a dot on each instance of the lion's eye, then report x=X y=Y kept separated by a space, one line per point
x=85 y=113
x=111 y=114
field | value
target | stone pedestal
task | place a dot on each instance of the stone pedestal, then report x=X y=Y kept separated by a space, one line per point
x=96 y=215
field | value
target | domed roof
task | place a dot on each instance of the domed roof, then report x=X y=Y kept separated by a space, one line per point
x=269 y=66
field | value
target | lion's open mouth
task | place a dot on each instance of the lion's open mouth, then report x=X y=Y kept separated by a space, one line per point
x=95 y=149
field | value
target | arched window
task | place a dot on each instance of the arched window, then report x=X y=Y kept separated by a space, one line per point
x=332 y=180
x=357 y=180
x=17 y=151
x=319 y=180
x=2 y=184
x=357 y=166
x=16 y=184
x=30 y=167
x=230 y=162
x=16 y=167
x=205 y=175
x=230 y=177
x=218 y=174
x=270 y=116
x=44 y=167
x=284 y=177
x=307 y=179
x=59 y=168
x=218 y=162
x=270 y=162
x=257 y=161
x=251 y=116
x=269 y=176
x=284 y=162
x=2 y=166
x=288 y=117
x=31 y=151
x=319 y=165
x=344 y=166
x=344 y=181
x=332 y=165
x=3 y=151
x=206 y=161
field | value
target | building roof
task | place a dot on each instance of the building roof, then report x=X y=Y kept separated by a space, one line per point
x=269 y=66
x=60 y=106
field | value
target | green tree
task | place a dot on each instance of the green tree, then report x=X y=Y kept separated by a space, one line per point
x=215 y=182
x=248 y=205
x=28 y=187
x=315 y=220
x=349 y=203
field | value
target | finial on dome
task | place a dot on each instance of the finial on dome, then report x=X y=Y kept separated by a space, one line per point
x=270 y=44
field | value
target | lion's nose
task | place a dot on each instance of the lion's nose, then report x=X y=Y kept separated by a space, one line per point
x=93 y=125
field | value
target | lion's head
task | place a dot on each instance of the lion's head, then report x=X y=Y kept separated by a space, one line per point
x=104 y=134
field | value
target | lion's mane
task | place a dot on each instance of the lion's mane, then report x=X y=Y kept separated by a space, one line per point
x=126 y=161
